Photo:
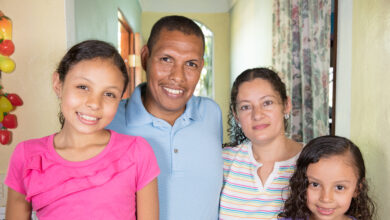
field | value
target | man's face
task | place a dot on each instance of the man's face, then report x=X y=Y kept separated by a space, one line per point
x=173 y=69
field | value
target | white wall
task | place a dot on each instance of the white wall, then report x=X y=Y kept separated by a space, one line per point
x=344 y=68
x=370 y=94
x=250 y=35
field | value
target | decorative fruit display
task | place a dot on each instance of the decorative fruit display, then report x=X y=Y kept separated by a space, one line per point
x=5 y=26
x=5 y=104
x=10 y=121
x=8 y=103
x=5 y=137
x=7 y=65
x=7 y=47
x=14 y=99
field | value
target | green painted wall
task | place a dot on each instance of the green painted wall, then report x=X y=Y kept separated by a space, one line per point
x=219 y=24
x=370 y=99
x=98 y=19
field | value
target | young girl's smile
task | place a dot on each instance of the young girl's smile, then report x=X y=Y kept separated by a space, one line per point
x=90 y=94
x=332 y=185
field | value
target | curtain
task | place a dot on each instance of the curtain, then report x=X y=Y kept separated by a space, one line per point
x=301 y=54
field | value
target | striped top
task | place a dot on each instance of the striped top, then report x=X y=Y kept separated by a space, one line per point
x=243 y=195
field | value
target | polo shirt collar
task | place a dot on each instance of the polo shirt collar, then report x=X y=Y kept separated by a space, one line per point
x=192 y=109
x=136 y=114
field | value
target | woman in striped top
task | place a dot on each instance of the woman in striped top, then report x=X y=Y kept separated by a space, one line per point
x=260 y=160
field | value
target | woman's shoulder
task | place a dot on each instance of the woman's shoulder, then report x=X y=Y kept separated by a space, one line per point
x=234 y=151
x=295 y=149
x=296 y=146
x=235 y=148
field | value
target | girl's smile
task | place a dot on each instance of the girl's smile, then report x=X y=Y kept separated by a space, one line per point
x=325 y=211
x=90 y=95
x=87 y=119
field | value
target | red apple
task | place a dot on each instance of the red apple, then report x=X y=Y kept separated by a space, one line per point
x=14 y=99
x=7 y=47
x=5 y=136
x=10 y=121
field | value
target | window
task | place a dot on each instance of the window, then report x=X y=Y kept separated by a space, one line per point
x=205 y=86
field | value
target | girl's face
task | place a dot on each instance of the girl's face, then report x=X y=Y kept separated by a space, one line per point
x=89 y=95
x=260 y=111
x=332 y=185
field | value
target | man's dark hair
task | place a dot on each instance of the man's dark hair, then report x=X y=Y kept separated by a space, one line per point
x=174 y=23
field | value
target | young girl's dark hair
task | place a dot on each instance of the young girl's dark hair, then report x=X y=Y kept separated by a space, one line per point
x=88 y=50
x=362 y=207
x=235 y=133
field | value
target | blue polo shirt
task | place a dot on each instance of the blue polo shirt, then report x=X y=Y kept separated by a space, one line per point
x=189 y=154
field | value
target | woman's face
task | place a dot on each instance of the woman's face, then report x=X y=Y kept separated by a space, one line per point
x=260 y=111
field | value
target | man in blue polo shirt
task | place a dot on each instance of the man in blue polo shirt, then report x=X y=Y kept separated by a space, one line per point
x=184 y=131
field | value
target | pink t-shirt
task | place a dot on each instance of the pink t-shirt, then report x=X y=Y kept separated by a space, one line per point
x=103 y=187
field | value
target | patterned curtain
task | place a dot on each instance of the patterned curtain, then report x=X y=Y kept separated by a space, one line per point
x=301 y=54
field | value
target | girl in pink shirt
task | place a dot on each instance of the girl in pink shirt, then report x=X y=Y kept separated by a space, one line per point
x=85 y=171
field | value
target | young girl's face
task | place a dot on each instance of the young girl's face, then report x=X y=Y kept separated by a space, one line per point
x=90 y=94
x=332 y=185
x=260 y=110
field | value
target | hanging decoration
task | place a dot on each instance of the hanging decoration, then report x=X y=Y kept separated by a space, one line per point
x=8 y=101
x=7 y=47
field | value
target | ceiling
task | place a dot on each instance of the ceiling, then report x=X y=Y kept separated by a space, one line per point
x=187 y=6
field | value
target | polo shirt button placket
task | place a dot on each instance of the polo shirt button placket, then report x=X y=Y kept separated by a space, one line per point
x=176 y=160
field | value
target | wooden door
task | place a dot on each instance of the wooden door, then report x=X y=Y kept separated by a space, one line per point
x=126 y=44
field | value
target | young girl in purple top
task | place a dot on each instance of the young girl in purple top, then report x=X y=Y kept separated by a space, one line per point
x=85 y=171
x=329 y=183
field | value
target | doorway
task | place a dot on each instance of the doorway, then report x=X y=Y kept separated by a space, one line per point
x=129 y=47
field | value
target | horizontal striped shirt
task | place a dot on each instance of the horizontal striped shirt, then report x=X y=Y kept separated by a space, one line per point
x=243 y=195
